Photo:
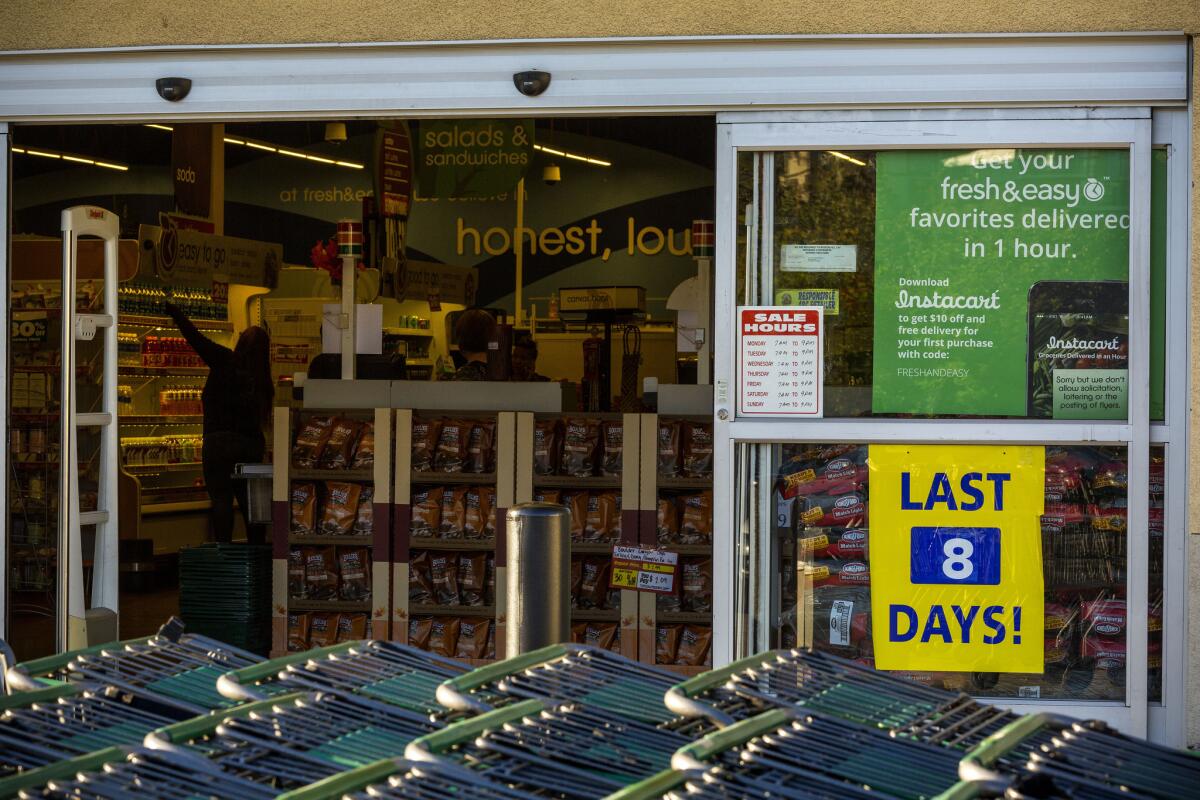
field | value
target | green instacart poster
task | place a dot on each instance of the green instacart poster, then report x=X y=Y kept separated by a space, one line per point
x=1000 y=283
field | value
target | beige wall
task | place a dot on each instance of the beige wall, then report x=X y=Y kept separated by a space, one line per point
x=39 y=24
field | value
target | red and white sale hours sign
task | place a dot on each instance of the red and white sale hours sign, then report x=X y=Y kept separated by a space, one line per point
x=780 y=360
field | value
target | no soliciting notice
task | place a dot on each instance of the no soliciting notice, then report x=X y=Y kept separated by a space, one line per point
x=780 y=357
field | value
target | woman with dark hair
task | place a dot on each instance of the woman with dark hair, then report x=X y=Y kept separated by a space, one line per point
x=473 y=329
x=237 y=405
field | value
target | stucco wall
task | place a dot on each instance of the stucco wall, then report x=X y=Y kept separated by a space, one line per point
x=39 y=24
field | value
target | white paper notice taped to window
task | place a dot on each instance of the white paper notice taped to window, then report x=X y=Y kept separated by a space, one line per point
x=841 y=613
x=780 y=360
x=819 y=258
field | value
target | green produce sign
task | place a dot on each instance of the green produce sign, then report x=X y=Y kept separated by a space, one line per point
x=472 y=159
x=1000 y=283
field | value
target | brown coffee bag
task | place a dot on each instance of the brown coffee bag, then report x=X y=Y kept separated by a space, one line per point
x=320 y=573
x=322 y=630
x=697 y=455
x=602 y=635
x=304 y=508
x=696 y=525
x=576 y=579
x=364 y=451
x=579 y=632
x=364 y=519
x=697 y=580
x=578 y=505
x=310 y=442
x=472 y=578
x=481 y=453
x=489 y=597
x=476 y=512
x=581 y=440
x=668 y=520
x=297 y=632
x=296 y=586
x=354 y=567
x=454 y=512
x=425 y=434
x=339 y=447
x=341 y=508
x=489 y=519
x=547 y=496
x=420 y=580
x=443 y=570
x=694 y=645
x=443 y=636
x=668 y=449
x=546 y=447
x=612 y=434
x=351 y=628
x=595 y=524
x=593 y=585
x=451 y=453
x=473 y=637
x=610 y=516
x=666 y=643
x=426 y=510
x=419 y=630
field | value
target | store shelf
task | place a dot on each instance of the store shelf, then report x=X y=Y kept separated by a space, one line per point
x=431 y=609
x=160 y=419
x=436 y=543
x=347 y=541
x=684 y=483
x=688 y=549
x=179 y=466
x=569 y=482
x=155 y=321
x=685 y=617
x=366 y=474
x=415 y=333
x=33 y=464
x=295 y=604
x=175 y=507
x=592 y=548
x=164 y=372
x=38 y=416
x=596 y=614
x=439 y=478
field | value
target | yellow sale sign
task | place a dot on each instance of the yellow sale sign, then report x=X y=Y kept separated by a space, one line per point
x=956 y=557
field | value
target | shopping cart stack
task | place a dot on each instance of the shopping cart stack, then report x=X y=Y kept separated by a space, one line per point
x=384 y=671
x=574 y=673
x=839 y=688
x=43 y=726
x=225 y=590
x=295 y=739
x=786 y=753
x=176 y=665
x=401 y=779
x=1074 y=759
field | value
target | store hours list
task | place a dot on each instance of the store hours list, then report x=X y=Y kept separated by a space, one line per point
x=780 y=354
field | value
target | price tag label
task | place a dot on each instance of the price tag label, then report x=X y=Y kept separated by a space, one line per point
x=644 y=570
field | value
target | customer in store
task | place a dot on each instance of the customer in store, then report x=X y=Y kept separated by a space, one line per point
x=237 y=405
x=524 y=360
x=473 y=331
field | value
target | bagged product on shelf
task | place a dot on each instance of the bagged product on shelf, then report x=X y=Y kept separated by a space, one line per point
x=847 y=544
x=364 y=517
x=425 y=435
x=576 y=579
x=296 y=587
x=320 y=573
x=695 y=527
x=666 y=643
x=830 y=572
x=297 y=631
x=419 y=630
x=454 y=512
x=364 y=451
x=593 y=585
x=473 y=634
x=481 y=453
x=1110 y=478
x=489 y=597
x=668 y=520
x=697 y=584
x=488 y=494
x=443 y=636
x=304 y=508
x=546 y=447
x=341 y=508
x=420 y=580
x=611 y=507
x=451 y=452
x=477 y=513
x=578 y=632
x=668 y=449
x=697 y=455
x=547 y=496
x=322 y=630
x=835 y=511
x=612 y=437
x=351 y=628
x=670 y=603
x=577 y=502
x=841 y=620
x=595 y=521
x=604 y=635
x=1102 y=652
x=831 y=473
x=443 y=571
x=472 y=578
x=1059 y=616
x=1057 y=650
x=1103 y=617
x=310 y=442
x=694 y=645
x=426 y=511
x=581 y=440
x=354 y=567
x=339 y=447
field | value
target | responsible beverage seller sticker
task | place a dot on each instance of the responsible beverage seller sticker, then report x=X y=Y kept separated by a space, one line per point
x=780 y=353
x=956 y=557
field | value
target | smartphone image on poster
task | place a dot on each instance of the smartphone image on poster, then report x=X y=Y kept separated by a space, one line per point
x=1078 y=350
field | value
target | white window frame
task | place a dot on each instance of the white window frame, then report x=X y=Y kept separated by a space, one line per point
x=940 y=129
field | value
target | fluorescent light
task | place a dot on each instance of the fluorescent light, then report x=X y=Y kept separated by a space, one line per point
x=283 y=151
x=845 y=157
x=291 y=153
x=350 y=164
x=258 y=146
x=18 y=150
x=43 y=154
x=73 y=157
x=321 y=159
x=573 y=156
x=159 y=127
x=108 y=165
x=229 y=140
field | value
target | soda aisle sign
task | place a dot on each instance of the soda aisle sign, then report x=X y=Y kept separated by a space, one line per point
x=956 y=557
x=780 y=352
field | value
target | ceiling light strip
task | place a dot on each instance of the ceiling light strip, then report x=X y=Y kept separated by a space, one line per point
x=845 y=157
x=283 y=151
x=573 y=156
x=72 y=157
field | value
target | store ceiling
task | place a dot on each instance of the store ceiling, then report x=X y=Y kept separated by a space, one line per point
x=689 y=138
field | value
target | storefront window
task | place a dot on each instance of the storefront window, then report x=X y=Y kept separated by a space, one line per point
x=954 y=283
x=817 y=589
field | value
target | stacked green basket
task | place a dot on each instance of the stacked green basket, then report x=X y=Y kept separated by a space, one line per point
x=225 y=592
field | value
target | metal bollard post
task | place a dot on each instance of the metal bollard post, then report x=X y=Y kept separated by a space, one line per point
x=539 y=574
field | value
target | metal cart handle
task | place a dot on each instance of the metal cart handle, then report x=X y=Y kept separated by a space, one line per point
x=42 y=695
x=166 y=737
x=978 y=765
x=651 y=788
x=680 y=697
x=430 y=744
x=30 y=675
x=692 y=756
x=238 y=684
x=455 y=693
x=69 y=768
x=342 y=783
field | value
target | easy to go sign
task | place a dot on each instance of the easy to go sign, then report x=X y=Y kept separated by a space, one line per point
x=955 y=557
